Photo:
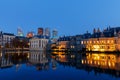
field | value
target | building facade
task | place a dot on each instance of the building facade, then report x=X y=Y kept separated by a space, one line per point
x=40 y=31
x=6 y=38
x=102 y=44
x=38 y=42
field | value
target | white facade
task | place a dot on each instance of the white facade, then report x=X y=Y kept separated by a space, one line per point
x=6 y=38
x=36 y=57
x=37 y=43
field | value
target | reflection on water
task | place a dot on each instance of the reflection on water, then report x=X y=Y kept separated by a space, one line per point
x=98 y=63
x=105 y=61
x=35 y=58
x=9 y=59
x=39 y=59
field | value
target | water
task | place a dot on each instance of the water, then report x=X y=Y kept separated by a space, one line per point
x=59 y=66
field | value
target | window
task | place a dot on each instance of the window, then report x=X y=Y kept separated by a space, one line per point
x=111 y=41
x=90 y=41
x=108 y=41
x=81 y=42
x=84 y=42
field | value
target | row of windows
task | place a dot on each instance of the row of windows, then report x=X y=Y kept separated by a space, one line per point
x=39 y=41
x=101 y=41
x=105 y=47
x=7 y=39
x=36 y=46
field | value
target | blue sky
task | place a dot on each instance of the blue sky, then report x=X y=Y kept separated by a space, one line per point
x=69 y=17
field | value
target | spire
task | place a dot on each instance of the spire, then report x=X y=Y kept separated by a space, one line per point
x=109 y=27
x=119 y=34
x=115 y=33
x=94 y=30
x=102 y=34
x=87 y=32
x=98 y=30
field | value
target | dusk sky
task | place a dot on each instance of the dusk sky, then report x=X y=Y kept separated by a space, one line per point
x=69 y=17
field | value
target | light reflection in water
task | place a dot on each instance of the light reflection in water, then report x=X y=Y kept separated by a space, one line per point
x=98 y=62
x=102 y=60
x=106 y=62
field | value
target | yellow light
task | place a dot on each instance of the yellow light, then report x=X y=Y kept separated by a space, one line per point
x=109 y=64
x=96 y=47
x=90 y=42
x=88 y=62
x=85 y=61
x=28 y=56
x=98 y=63
x=1 y=55
x=91 y=61
x=108 y=41
x=95 y=62
x=82 y=61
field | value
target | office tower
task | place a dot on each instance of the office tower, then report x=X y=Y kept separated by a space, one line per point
x=30 y=34
x=20 y=32
x=54 y=33
x=47 y=32
x=40 y=31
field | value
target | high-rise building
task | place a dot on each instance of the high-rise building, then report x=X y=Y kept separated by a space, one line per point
x=54 y=36
x=40 y=31
x=54 y=33
x=20 y=32
x=47 y=32
x=30 y=34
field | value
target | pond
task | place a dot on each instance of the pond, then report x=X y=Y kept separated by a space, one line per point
x=39 y=65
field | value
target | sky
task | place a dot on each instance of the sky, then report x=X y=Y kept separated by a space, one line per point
x=69 y=17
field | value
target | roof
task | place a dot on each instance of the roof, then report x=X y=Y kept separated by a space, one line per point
x=65 y=38
x=41 y=36
x=10 y=34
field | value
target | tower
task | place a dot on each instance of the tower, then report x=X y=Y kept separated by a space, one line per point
x=40 y=31
x=94 y=30
x=98 y=30
x=30 y=34
x=54 y=36
x=20 y=32
x=54 y=33
x=47 y=32
x=115 y=33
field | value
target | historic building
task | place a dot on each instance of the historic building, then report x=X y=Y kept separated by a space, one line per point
x=38 y=42
x=39 y=59
x=100 y=44
x=6 y=38
x=108 y=40
x=63 y=43
x=78 y=45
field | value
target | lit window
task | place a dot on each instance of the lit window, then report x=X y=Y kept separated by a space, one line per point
x=81 y=42
x=84 y=42
x=111 y=41
x=108 y=41
x=97 y=41
x=87 y=41
x=90 y=41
